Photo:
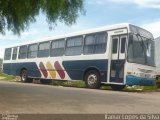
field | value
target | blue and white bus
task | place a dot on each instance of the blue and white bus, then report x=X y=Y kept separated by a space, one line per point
x=117 y=55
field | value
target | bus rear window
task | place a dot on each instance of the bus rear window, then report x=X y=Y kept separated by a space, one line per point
x=7 y=54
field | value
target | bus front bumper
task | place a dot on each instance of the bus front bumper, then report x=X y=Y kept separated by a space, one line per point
x=134 y=80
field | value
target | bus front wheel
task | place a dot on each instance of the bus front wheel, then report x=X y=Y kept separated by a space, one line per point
x=117 y=87
x=92 y=79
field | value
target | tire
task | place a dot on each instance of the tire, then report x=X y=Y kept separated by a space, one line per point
x=24 y=76
x=92 y=79
x=117 y=87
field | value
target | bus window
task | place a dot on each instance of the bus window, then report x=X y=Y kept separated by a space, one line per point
x=32 y=51
x=22 y=52
x=95 y=43
x=7 y=54
x=114 y=45
x=74 y=46
x=101 y=40
x=43 y=49
x=57 y=48
x=123 y=44
x=14 y=54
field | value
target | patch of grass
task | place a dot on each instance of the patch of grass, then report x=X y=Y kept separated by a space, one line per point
x=78 y=83
x=81 y=84
x=150 y=88
x=7 y=77
x=57 y=83
x=106 y=87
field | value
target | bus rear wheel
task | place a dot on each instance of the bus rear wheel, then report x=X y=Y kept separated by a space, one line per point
x=24 y=76
x=92 y=79
x=117 y=87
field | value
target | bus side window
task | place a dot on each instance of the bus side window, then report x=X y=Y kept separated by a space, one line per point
x=22 y=52
x=14 y=54
x=95 y=43
x=74 y=46
x=57 y=48
x=32 y=51
x=43 y=50
x=7 y=54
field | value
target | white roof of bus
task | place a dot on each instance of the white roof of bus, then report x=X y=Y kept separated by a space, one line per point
x=115 y=26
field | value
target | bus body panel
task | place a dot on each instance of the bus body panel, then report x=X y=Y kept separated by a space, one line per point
x=70 y=69
x=15 y=68
x=137 y=74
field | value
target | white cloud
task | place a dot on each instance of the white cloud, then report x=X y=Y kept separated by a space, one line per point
x=153 y=27
x=140 y=3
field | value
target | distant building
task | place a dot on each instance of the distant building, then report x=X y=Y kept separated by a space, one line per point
x=157 y=51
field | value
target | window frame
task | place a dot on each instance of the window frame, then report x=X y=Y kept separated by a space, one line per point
x=44 y=49
x=95 y=37
x=19 y=53
x=14 y=53
x=32 y=51
x=57 y=40
x=69 y=38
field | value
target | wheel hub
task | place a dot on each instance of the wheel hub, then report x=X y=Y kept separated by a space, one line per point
x=92 y=79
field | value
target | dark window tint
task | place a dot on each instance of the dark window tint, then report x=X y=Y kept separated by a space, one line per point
x=57 y=47
x=114 y=45
x=95 y=43
x=32 y=50
x=7 y=55
x=44 y=49
x=22 y=52
x=123 y=44
x=74 y=46
x=14 y=54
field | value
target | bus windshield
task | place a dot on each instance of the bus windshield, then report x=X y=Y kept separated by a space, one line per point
x=141 y=50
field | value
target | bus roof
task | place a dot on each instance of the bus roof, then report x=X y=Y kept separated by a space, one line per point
x=105 y=28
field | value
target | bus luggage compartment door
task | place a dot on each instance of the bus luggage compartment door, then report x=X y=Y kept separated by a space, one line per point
x=118 y=46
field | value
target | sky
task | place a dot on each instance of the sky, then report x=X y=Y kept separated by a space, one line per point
x=143 y=13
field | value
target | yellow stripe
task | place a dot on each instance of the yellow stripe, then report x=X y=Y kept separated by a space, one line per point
x=51 y=70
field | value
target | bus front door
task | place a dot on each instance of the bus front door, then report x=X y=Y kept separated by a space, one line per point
x=117 y=62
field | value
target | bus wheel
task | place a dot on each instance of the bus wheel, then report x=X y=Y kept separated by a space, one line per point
x=24 y=76
x=117 y=87
x=92 y=79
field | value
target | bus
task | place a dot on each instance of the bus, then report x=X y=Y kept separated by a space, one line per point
x=116 y=55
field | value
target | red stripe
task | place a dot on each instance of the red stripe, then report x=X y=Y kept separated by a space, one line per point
x=43 y=69
x=59 y=70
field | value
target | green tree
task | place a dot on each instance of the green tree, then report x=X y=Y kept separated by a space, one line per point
x=16 y=15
